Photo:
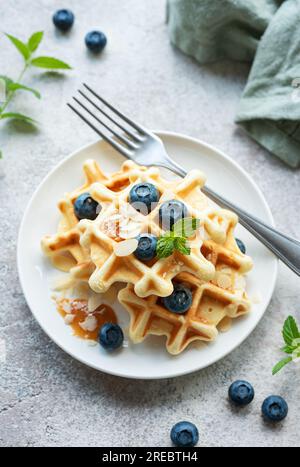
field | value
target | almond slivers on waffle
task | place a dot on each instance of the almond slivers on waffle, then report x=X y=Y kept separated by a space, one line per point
x=100 y=253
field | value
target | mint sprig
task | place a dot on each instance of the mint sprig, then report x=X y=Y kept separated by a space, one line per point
x=291 y=337
x=27 y=50
x=177 y=238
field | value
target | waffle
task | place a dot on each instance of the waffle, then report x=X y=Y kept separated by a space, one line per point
x=102 y=235
x=214 y=270
x=64 y=248
x=223 y=296
x=210 y=307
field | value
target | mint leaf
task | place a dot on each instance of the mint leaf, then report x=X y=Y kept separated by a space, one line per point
x=50 y=62
x=164 y=247
x=1 y=154
x=14 y=86
x=18 y=116
x=290 y=330
x=281 y=364
x=20 y=46
x=288 y=349
x=34 y=41
x=186 y=227
x=181 y=245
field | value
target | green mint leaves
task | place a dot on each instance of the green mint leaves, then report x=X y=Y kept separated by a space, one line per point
x=20 y=46
x=27 y=50
x=35 y=40
x=291 y=337
x=177 y=238
x=50 y=63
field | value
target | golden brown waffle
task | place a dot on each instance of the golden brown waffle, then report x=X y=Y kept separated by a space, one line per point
x=211 y=304
x=214 y=270
x=222 y=297
x=64 y=248
x=101 y=236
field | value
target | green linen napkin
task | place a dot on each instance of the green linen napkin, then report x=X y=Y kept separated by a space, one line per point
x=265 y=31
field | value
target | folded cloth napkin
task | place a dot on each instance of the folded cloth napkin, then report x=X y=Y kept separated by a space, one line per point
x=265 y=31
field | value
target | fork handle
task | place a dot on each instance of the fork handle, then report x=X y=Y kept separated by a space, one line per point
x=287 y=249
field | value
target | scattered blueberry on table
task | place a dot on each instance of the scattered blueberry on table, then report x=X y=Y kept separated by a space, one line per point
x=180 y=299
x=241 y=245
x=184 y=434
x=63 y=20
x=241 y=392
x=85 y=207
x=95 y=41
x=170 y=212
x=146 y=248
x=143 y=196
x=111 y=336
x=274 y=408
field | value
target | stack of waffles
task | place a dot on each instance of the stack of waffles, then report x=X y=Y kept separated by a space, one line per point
x=100 y=253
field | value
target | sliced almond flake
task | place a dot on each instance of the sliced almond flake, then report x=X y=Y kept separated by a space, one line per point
x=69 y=319
x=94 y=301
x=125 y=248
x=66 y=306
x=89 y=324
x=131 y=230
x=91 y=342
x=223 y=281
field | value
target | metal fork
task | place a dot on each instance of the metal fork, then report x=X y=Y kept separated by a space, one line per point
x=135 y=142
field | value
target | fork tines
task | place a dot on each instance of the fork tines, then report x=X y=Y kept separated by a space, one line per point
x=112 y=120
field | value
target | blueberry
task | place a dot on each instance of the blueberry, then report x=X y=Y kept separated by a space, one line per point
x=180 y=299
x=111 y=336
x=142 y=196
x=184 y=434
x=146 y=249
x=274 y=408
x=241 y=392
x=241 y=245
x=170 y=212
x=63 y=19
x=95 y=41
x=85 y=207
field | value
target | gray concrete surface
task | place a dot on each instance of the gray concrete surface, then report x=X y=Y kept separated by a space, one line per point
x=46 y=397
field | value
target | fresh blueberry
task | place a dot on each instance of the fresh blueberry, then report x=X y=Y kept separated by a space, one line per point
x=95 y=41
x=241 y=392
x=170 y=212
x=241 y=245
x=184 y=434
x=142 y=196
x=111 y=336
x=85 y=207
x=180 y=299
x=63 y=19
x=274 y=408
x=146 y=248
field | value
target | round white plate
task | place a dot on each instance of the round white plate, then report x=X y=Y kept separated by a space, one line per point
x=149 y=359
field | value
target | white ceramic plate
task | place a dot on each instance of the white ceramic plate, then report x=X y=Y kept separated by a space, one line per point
x=149 y=359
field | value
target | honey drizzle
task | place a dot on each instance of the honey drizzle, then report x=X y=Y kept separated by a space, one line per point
x=79 y=309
